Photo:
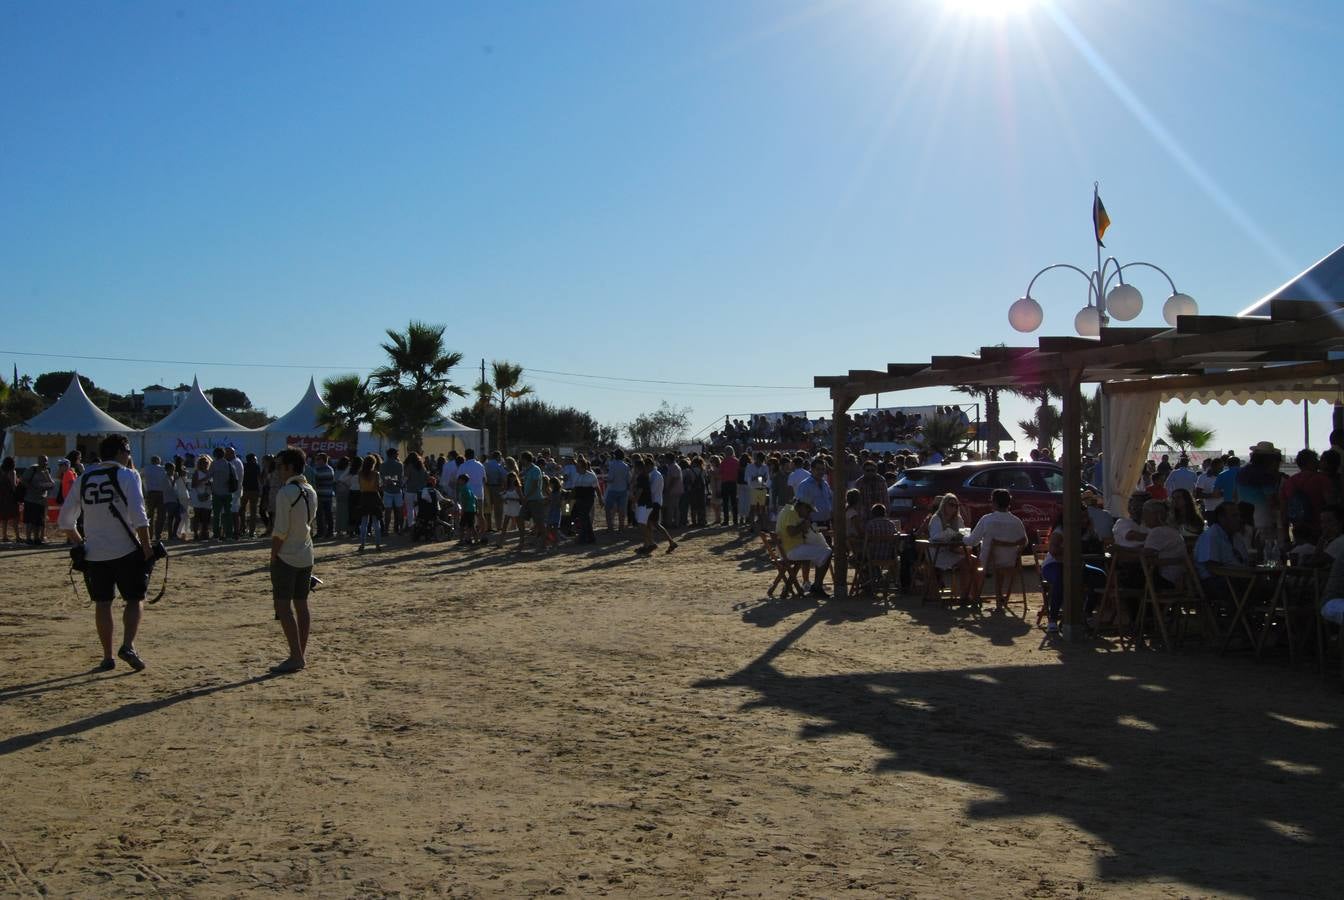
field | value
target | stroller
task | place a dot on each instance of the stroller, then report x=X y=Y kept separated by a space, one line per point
x=434 y=514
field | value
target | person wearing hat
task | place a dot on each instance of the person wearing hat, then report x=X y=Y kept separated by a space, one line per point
x=1258 y=485
x=802 y=543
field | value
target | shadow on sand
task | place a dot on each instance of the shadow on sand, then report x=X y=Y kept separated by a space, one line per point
x=1182 y=766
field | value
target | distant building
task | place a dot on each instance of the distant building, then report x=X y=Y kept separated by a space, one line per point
x=157 y=398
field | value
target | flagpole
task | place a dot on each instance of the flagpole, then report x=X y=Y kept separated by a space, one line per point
x=1101 y=296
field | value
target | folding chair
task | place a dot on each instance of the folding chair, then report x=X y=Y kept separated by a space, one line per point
x=935 y=590
x=1115 y=596
x=882 y=565
x=786 y=571
x=1180 y=600
x=1006 y=575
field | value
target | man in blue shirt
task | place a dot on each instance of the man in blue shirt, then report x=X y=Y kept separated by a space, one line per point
x=618 y=488
x=534 y=501
x=816 y=491
x=1225 y=485
x=494 y=490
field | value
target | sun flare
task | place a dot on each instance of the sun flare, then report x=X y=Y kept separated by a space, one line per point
x=986 y=9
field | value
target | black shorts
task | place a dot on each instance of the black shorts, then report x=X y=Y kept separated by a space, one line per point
x=288 y=582
x=469 y=519
x=35 y=514
x=128 y=575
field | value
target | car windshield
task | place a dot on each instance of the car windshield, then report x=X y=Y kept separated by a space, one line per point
x=913 y=479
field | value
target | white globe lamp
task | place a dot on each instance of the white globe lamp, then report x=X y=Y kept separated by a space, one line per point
x=1025 y=314
x=1087 y=322
x=1124 y=302
x=1179 y=304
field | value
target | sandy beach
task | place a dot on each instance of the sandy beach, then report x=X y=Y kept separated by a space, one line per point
x=480 y=723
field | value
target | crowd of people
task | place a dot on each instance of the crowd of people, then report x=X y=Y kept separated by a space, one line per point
x=876 y=426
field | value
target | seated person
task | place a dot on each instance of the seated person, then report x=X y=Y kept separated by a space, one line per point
x=881 y=527
x=1330 y=544
x=1166 y=541
x=1222 y=544
x=999 y=525
x=946 y=533
x=1128 y=532
x=1052 y=573
x=802 y=543
x=1332 y=610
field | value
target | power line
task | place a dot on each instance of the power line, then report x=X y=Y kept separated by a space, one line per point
x=258 y=365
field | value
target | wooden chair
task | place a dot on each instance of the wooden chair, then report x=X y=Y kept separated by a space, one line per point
x=1115 y=597
x=1006 y=575
x=786 y=571
x=936 y=590
x=882 y=565
x=1181 y=601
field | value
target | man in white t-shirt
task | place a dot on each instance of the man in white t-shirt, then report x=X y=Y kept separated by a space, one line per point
x=292 y=556
x=1165 y=540
x=1182 y=477
x=998 y=525
x=475 y=472
x=1128 y=532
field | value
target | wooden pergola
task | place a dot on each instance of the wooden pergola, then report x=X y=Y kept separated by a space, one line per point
x=1298 y=341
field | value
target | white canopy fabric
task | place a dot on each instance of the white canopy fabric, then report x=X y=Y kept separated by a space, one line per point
x=73 y=413
x=302 y=419
x=58 y=429
x=196 y=427
x=1322 y=283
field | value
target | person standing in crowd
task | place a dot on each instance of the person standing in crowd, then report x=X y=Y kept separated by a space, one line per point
x=672 y=491
x=696 y=485
x=728 y=470
x=292 y=557
x=648 y=502
x=534 y=500
x=1182 y=477
x=221 y=496
x=76 y=461
x=586 y=492
x=37 y=487
x=1205 y=485
x=468 y=532
x=1258 y=484
x=392 y=472
x=341 y=490
x=511 y=501
x=324 y=489
x=371 y=502
x=155 y=480
x=115 y=544
x=177 y=502
x=202 y=499
x=1301 y=500
x=251 y=498
x=415 y=478
x=1225 y=485
x=236 y=491
x=475 y=472
x=356 y=511
x=618 y=489
x=9 y=499
x=494 y=491
x=757 y=476
x=816 y=490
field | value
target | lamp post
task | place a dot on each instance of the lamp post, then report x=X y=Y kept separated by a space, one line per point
x=1104 y=302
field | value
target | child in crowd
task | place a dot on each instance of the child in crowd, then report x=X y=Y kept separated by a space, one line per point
x=468 y=532
x=555 y=510
x=513 y=509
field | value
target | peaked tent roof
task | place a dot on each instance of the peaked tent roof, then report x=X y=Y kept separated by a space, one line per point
x=196 y=414
x=447 y=424
x=302 y=419
x=73 y=413
x=1323 y=283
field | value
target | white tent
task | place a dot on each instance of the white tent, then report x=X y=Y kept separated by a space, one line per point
x=300 y=428
x=196 y=427
x=71 y=422
x=448 y=434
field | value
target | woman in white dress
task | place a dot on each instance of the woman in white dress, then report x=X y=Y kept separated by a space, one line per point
x=947 y=532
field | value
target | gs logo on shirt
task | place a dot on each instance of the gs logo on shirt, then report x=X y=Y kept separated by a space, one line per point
x=96 y=492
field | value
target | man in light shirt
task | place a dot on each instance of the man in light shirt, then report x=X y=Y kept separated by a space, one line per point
x=292 y=556
x=1127 y=531
x=155 y=480
x=998 y=525
x=1182 y=477
x=475 y=472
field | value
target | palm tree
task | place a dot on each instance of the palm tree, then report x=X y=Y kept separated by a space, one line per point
x=414 y=387
x=1187 y=435
x=1090 y=419
x=350 y=402
x=942 y=434
x=503 y=387
x=1046 y=427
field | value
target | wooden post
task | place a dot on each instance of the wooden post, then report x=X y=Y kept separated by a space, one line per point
x=1075 y=614
x=839 y=559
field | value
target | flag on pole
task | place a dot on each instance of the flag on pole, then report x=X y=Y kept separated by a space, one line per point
x=1100 y=221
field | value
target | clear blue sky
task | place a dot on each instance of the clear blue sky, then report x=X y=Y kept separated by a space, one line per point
x=733 y=192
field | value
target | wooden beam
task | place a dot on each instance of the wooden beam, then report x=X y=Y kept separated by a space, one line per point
x=1075 y=589
x=1111 y=336
x=955 y=362
x=1061 y=344
x=829 y=381
x=1262 y=374
x=840 y=556
x=863 y=374
x=1000 y=354
x=1300 y=310
x=1212 y=324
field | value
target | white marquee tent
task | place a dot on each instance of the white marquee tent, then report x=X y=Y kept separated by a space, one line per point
x=71 y=422
x=196 y=427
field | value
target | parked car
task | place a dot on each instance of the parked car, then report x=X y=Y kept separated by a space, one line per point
x=1037 y=487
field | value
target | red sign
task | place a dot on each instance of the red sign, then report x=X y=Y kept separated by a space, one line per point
x=314 y=445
